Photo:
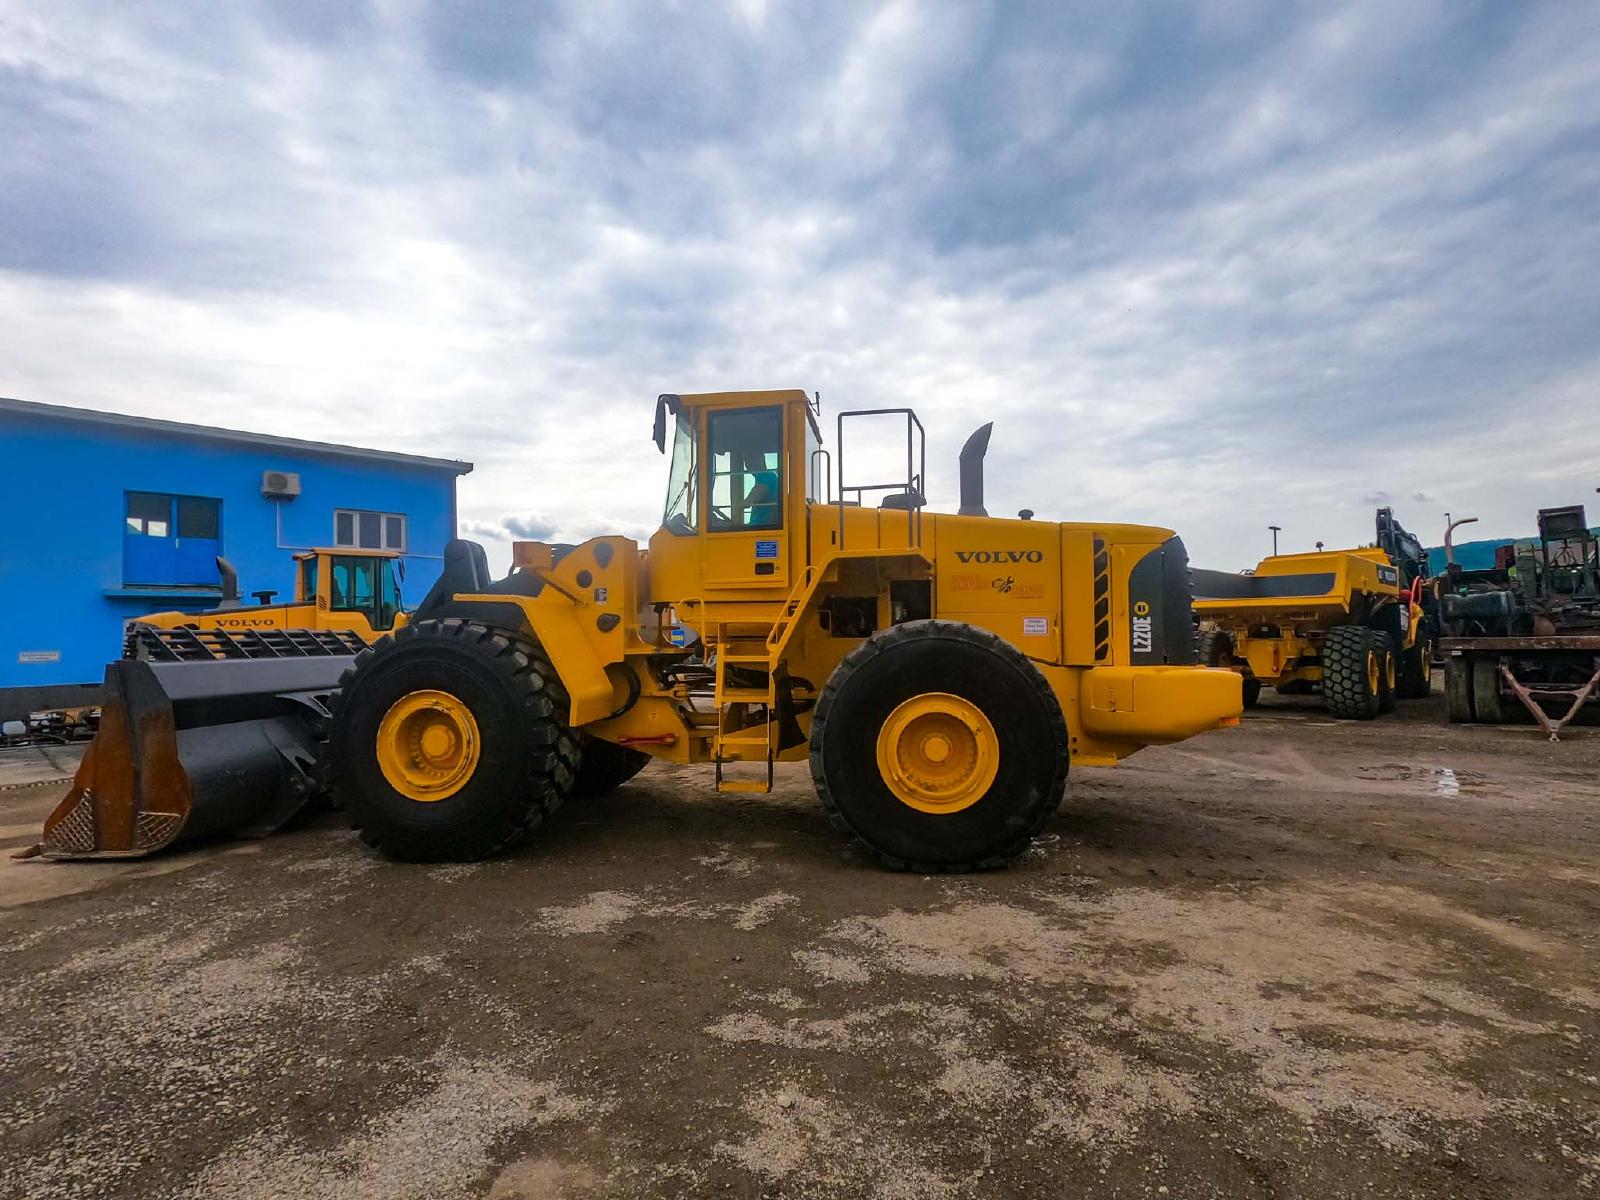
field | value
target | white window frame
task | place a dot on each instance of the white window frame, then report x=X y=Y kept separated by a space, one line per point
x=355 y=515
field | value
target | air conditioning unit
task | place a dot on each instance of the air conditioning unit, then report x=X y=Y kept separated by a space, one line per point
x=280 y=485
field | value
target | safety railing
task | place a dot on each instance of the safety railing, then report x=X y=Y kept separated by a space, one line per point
x=911 y=487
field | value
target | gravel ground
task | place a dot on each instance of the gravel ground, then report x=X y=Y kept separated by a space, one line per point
x=1300 y=958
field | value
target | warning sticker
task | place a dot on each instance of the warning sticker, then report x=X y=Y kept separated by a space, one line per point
x=767 y=549
x=1035 y=626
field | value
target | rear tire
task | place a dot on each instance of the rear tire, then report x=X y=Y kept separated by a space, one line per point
x=1252 y=691
x=1351 y=672
x=1486 y=698
x=603 y=767
x=525 y=754
x=1458 y=690
x=920 y=662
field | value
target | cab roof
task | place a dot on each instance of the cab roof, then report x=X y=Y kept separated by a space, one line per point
x=672 y=402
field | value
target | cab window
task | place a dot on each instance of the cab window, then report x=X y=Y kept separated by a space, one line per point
x=745 y=454
x=365 y=585
x=308 y=581
x=682 y=479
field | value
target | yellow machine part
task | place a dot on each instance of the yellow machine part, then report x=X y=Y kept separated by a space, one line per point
x=1302 y=596
x=428 y=745
x=938 y=753
x=318 y=602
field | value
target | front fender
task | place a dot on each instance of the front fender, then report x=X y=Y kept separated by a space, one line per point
x=555 y=627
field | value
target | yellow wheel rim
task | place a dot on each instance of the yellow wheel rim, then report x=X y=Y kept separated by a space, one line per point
x=428 y=745
x=1372 y=671
x=1388 y=672
x=938 y=753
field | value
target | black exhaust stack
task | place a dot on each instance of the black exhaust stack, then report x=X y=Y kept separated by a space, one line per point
x=972 y=472
x=230 y=584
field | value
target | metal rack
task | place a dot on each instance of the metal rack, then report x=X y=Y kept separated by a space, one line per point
x=911 y=486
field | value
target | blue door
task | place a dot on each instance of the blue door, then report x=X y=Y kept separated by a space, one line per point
x=171 y=541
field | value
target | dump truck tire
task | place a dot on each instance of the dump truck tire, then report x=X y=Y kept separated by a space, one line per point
x=1351 y=672
x=603 y=767
x=1416 y=670
x=1252 y=691
x=1486 y=698
x=1216 y=649
x=450 y=742
x=939 y=747
x=1388 y=672
x=1458 y=690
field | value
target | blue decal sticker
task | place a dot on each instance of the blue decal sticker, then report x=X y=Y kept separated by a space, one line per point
x=766 y=549
x=678 y=636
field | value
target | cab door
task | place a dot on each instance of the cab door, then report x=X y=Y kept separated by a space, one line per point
x=745 y=544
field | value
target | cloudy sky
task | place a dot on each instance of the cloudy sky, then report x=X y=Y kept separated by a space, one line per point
x=1213 y=267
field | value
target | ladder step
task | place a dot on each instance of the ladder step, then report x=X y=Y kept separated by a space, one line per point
x=744 y=738
x=746 y=696
x=744 y=785
x=763 y=659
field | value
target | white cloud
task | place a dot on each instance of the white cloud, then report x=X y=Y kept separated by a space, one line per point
x=1216 y=273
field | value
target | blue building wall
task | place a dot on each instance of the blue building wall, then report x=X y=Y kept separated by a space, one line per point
x=64 y=587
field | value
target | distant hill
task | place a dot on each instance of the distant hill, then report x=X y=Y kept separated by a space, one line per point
x=1476 y=556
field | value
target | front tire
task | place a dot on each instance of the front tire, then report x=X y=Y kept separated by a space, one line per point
x=450 y=741
x=1352 y=672
x=939 y=747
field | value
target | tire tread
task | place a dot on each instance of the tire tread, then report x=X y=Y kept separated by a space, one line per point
x=886 y=640
x=523 y=665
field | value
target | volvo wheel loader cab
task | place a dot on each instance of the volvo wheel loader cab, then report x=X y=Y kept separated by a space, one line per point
x=1348 y=623
x=939 y=671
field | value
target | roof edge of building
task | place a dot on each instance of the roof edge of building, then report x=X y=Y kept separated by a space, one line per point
x=215 y=433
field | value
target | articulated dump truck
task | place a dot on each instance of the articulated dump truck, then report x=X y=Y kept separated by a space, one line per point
x=1350 y=624
x=940 y=672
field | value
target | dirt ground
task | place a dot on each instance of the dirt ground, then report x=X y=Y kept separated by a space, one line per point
x=1301 y=958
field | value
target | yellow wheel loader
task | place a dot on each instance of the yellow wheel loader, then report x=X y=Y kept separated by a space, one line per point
x=349 y=593
x=1347 y=623
x=938 y=671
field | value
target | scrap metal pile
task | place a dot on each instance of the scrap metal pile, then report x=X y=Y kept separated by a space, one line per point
x=1528 y=629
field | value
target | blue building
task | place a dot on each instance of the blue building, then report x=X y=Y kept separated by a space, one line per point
x=108 y=517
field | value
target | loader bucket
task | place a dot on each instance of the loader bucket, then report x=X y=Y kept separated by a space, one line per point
x=189 y=750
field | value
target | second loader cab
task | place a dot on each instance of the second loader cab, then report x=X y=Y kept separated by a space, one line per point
x=351 y=581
